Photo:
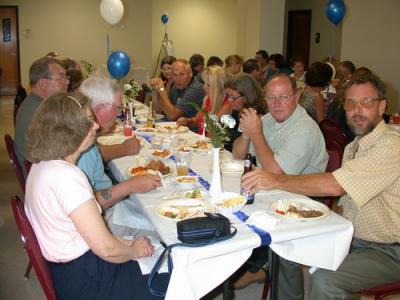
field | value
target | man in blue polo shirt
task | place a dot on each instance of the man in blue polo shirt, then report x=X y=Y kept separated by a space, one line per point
x=186 y=89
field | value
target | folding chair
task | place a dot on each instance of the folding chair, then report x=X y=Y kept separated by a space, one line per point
x=32 y=247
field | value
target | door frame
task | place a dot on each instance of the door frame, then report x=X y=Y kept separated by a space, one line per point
x=291 y=13
x=18 y=44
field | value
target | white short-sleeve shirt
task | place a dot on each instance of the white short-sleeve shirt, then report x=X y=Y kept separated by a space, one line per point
x=54 y=189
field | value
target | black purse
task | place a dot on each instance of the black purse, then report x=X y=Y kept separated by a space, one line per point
x=196 y=232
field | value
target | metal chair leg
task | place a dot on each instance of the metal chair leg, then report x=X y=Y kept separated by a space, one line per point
x=28 y=270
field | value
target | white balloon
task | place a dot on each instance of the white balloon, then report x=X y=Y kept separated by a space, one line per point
x=111 y=11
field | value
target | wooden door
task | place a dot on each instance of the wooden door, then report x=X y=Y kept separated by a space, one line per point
x=9 y=51
x=299 y=33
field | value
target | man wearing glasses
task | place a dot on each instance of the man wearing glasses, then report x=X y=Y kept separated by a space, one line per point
x=369 y=185
x=285 y=141
x=47 y=77
x=106 y=103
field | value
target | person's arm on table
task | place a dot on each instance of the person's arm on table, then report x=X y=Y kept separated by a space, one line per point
x=251 y=125
x=191 y=122
x=241 y=146
x=320 y=184
x=137 y=184
x=128 y=147
x=170 y=110
x=91 y=227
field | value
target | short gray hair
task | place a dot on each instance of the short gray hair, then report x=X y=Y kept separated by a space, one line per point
x=100 y=90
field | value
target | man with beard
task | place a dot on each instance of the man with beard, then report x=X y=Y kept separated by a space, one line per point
x=369 y=183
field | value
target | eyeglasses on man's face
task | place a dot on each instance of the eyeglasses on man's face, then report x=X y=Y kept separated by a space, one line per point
x=59 y=77
x=282 y=98
x=365 y=102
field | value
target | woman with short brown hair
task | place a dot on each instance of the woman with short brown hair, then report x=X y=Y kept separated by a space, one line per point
x=86 y=261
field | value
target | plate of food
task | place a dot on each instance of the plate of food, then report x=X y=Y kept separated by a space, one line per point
x=186 y=182
x=172 y=129
x=200 y=145
x=145 y=130
x=229 y=202
x=300 y=209
x=151 y=167
x=194 y=194
x=182 y=209
x=143 y=118
x=112 y=139
x=116 y=128
x=160 y=154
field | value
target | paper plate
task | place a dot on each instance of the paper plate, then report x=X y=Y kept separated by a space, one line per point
x=181 y=209
x=160 y=154
x=112 y=139
x=300 y=209
x=131 y=171
x=200 y=145
x=172 y=129
x=195 y=194
x=145 y=130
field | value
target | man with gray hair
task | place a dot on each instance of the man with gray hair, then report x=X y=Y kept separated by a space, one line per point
x=106 y=101
x=47 y=77
x=186 y=89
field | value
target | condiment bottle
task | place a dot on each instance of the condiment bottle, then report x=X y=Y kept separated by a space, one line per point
x=247 y=168
x=150 y=118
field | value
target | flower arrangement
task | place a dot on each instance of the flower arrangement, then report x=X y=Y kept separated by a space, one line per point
x=87 y=66
x=131 y=89
x=217 y=129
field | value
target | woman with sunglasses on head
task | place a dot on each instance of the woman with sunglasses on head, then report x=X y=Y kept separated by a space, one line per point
x=244 y=92
x=85 y=260
x=215 y=101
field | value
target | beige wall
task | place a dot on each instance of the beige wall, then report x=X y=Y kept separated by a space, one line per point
x=330 y=35
x=370 y=38
x=208 y=27
x=76 y=29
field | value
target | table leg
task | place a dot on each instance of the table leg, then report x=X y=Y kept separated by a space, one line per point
x=226 y=294
x=274 y=275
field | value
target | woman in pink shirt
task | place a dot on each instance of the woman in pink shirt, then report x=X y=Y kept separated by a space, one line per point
x=86 y=261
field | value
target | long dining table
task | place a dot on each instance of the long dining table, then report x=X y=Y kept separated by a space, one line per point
x=320 y=243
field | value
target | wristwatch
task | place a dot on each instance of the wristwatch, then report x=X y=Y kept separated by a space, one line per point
x=161 y=89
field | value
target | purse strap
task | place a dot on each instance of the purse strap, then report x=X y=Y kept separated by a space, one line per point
x=167 y=253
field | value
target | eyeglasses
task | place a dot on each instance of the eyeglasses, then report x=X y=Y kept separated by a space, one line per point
x=365 y=102
x=60 y=77
x=281 y=98
x=235 y=98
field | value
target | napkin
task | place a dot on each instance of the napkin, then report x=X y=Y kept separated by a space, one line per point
x=262 y=220
x=147 y=263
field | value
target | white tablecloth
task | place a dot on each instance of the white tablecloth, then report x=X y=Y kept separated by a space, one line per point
x=321 y=243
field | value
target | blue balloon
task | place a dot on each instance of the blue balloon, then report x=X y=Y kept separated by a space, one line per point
x=335 y=11
x=118 y=64
x=164 y=19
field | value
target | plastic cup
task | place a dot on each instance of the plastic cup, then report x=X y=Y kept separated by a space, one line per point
x=182 y=163
x=396 y=119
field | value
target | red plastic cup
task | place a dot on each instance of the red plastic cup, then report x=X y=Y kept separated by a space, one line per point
x=396 y=119
x=128 y=130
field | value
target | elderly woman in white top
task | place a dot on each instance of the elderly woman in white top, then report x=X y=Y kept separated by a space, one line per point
x=86 y=261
